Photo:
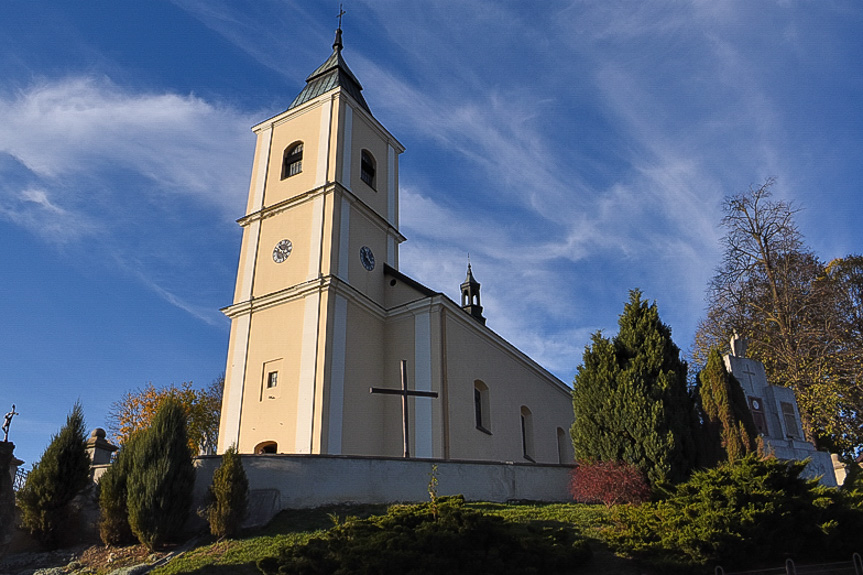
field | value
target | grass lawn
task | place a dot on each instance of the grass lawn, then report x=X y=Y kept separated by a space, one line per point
x=297 y=526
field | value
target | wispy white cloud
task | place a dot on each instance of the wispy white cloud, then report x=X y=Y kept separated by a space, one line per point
x=33 y=209
x=79 y=127
x=95 y=161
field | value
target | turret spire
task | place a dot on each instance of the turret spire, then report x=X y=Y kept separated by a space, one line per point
x=337 y=45
x=334 y=73
x=470 y=301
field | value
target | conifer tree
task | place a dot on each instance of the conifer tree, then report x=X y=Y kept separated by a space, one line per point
x=728 y=431
x=229 y=494
x=61 y=473
x=114 y=526
x=630 y=398
x=162 y=477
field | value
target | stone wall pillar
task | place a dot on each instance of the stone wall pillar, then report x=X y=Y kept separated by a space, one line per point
x=8 y=467
x=98 y=448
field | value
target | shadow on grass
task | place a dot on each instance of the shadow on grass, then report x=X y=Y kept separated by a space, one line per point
x=303 y=520
x=241 y=569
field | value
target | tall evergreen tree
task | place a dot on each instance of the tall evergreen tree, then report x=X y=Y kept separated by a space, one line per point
x=630 y=398
x=114 y=526
x=61 y=473
x=162 y=477
x=729 y=431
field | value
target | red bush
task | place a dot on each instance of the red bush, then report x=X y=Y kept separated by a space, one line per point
x=608 y=482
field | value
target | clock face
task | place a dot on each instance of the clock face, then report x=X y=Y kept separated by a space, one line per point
x=282 y=251
x=367 y=258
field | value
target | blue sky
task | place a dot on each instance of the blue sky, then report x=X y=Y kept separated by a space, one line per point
x=575 y=149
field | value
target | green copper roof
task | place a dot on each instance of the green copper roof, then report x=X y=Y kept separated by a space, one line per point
x=333 y=73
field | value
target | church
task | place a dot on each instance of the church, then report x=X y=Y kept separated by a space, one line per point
x=333 y=350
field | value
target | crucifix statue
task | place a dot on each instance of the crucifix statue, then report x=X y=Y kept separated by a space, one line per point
x=405 y=393
x=7 y=422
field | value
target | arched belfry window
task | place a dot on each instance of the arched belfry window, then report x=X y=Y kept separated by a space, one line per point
x=368 y=168
x=292 y=162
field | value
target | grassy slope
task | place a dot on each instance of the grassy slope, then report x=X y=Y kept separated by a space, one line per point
x=289 y=527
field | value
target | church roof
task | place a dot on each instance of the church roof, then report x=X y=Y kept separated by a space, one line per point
x=334 y=73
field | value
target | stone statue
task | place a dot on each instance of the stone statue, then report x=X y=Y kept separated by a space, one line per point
x=738 y=345
x=7 y=422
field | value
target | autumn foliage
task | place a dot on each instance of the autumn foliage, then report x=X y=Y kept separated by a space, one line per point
x=608 y=482
x=136 y=409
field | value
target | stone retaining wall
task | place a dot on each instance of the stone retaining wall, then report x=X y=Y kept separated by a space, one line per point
x=279 y=482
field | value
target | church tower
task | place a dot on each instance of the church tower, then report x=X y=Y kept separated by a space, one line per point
x=320 y=228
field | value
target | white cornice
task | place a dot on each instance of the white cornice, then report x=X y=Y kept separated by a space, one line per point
x=310 y=195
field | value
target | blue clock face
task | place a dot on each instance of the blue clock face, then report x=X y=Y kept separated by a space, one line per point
x=367 y=258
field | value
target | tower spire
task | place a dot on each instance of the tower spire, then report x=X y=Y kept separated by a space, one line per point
x=470 y=301
x=337 y=45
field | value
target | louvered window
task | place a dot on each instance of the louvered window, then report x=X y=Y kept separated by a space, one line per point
x=292 y=163
x=367 y=168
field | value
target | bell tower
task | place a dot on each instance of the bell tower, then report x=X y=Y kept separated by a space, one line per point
x=470 y=300
x=321 y=223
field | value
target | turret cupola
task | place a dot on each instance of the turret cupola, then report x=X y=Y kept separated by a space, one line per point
x=470 y=301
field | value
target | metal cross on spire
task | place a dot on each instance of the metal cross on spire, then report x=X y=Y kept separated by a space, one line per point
x=337 y=45
x=341 y=13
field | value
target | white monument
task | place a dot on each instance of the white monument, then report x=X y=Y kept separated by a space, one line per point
x=776 y=415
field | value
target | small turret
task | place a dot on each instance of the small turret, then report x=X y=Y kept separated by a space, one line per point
x=470 y=301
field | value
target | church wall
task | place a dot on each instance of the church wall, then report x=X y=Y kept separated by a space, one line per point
x=270 y=414
x=365 y=231
x=299 y=226
x=511 y=384
x=414 y=335
x=364 y=418
x=400 y=293
x=248 y=256
x=259 y=169
x=229 y=421
x=365 y=133
x=309 y=125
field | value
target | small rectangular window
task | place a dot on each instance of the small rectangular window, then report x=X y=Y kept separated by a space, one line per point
x=272 y=379
x=477 y=406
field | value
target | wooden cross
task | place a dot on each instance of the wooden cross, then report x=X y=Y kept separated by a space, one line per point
x=405 y=393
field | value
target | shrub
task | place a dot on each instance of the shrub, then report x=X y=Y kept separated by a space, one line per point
x=410 y=539
x=228 y=495
x=114 y=526
x=161 y=479
x=608 y=482
x=61 y=473
x=740 y=513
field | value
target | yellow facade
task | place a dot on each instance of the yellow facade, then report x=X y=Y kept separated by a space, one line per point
x=321 y=313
